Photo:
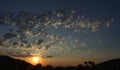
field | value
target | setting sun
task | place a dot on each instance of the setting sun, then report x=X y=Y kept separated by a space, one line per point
x=34 y=60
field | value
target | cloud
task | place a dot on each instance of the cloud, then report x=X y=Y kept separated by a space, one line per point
x=10 y=35
x=95 y=25
x=14 y=54
x=3 y=52
x=83 y=45
x=31 y=35
x=47 y=56
x=40 y=41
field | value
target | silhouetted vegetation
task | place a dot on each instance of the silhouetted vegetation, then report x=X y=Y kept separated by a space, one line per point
x=7 y=63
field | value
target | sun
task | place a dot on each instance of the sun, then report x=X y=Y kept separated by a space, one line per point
x=35 y=60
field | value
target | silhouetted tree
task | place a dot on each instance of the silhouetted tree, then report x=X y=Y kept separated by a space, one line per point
x=80 y=67
x=60 y=68
x=38 y=67
x=86 y=64
x=49 y=67
x=91 y=63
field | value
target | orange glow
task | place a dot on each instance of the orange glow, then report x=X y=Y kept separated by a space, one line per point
x=34 y=60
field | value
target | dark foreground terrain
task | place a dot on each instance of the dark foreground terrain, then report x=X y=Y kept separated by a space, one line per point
x=8 y=63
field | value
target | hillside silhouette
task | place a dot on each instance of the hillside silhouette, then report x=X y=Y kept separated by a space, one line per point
x=8 y=63
x=110 y=65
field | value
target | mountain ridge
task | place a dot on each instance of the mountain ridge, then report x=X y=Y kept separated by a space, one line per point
x=9 y=63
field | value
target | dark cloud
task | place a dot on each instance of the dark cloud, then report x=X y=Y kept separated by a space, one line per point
x=40 y=41
x=10 y=35
x=47 y=56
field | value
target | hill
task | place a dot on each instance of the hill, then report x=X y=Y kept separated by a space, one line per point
x=8 y=63
x=113 y=64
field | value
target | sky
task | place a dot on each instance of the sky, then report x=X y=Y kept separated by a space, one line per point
x=61 y=32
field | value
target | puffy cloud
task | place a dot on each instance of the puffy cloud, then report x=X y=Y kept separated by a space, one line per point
x=82 y=25
x=95 y=25
x=31 y=33
x=108 y=23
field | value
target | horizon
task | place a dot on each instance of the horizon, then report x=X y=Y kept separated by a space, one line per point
x=83 y=64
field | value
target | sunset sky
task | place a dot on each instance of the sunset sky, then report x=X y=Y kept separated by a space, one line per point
x=60 y=32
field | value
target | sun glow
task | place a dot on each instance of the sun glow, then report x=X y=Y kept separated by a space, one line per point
x=34 y=60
